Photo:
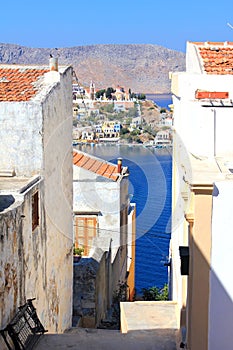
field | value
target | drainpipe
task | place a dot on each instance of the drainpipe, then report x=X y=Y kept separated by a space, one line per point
x=119 y=165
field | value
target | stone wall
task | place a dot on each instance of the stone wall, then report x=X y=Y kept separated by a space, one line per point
x=91 y=289
x=96 y=279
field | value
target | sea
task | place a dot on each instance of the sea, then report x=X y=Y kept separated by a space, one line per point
x=161 y=100
x=150 y=188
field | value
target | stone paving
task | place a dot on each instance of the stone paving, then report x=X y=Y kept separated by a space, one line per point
x=150 y=326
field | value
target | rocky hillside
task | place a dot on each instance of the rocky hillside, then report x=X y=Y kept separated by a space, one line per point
x=142 y=67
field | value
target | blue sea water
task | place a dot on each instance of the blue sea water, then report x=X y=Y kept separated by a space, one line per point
x=150 y=188
x=162 y=100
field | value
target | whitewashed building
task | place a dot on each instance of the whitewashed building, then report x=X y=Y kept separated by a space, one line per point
x=201 y=244
x=36 y=175
x=104 y=222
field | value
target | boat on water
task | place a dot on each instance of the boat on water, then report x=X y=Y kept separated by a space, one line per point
x=162 y=144
x=165 y=143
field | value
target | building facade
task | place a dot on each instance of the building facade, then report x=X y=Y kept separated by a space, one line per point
x=104 y=223
x=200 y=248
x=36 y=173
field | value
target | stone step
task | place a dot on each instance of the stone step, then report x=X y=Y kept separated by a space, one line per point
x=102 y=339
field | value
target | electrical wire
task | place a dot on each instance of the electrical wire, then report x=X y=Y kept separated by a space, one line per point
x=116 y=231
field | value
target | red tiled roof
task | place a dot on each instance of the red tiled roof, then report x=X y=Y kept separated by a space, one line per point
x=18 y=84
x=217 y=57
x=95 y=165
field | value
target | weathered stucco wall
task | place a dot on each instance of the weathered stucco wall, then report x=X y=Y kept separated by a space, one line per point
x=40 y=142
x=58 y=179
x=21 y=137
x=23 y=254
x=11 y=271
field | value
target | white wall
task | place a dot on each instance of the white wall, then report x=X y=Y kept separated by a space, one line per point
x=36 y=138
x=93 y=193
x=221 y=282
x=21 y=137
x=58 y=179
x=205 y=131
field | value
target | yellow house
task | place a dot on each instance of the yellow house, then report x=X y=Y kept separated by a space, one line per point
x=201 y=241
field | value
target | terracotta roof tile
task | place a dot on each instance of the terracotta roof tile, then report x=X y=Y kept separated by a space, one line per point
x=110 y=170
x=102 y=169
x=82 y=161
x=216 y=57
x=18 y=83
x=98 y=166
x=88 y=165
x=76 y=157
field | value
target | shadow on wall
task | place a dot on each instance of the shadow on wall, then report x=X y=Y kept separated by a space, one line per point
x=6 y=201
x=210 y=310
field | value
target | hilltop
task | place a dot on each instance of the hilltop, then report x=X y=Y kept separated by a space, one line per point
x=141 y=67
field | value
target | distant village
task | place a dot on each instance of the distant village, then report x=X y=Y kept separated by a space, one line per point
x=117 y=115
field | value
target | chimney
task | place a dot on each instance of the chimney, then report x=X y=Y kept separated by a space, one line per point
x=53 y=64
x=119 y=165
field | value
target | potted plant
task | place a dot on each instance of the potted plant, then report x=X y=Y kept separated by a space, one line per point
x=77 y=253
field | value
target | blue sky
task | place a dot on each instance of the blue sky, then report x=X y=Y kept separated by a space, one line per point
x=73 y=22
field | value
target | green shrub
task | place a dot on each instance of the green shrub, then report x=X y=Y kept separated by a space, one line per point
x=78 y=250
x=154 y=293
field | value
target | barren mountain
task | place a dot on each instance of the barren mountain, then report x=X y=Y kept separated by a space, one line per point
x=142 y=67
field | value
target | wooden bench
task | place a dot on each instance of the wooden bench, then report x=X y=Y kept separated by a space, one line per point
x=25 y=328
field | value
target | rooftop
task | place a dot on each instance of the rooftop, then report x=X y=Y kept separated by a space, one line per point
x=216 y=57
x=12 y=190
x=96 y=165
x=20 y=83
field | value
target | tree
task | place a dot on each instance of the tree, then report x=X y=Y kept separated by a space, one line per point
x=124 y=131
x=109 y=92
x=141 y=96
x=163 y=110
x=100 y=93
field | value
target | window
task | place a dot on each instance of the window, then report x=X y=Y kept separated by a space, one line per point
x=35 y=210
x=85 y=230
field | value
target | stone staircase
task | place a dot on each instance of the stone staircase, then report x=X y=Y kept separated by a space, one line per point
x=144 y=326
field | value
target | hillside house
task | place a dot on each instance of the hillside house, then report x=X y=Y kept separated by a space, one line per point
x=111 y=128
x=120 y=94
x=36 y=175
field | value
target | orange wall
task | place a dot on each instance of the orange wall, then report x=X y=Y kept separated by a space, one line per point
x=131 y=277
x=199 y=269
